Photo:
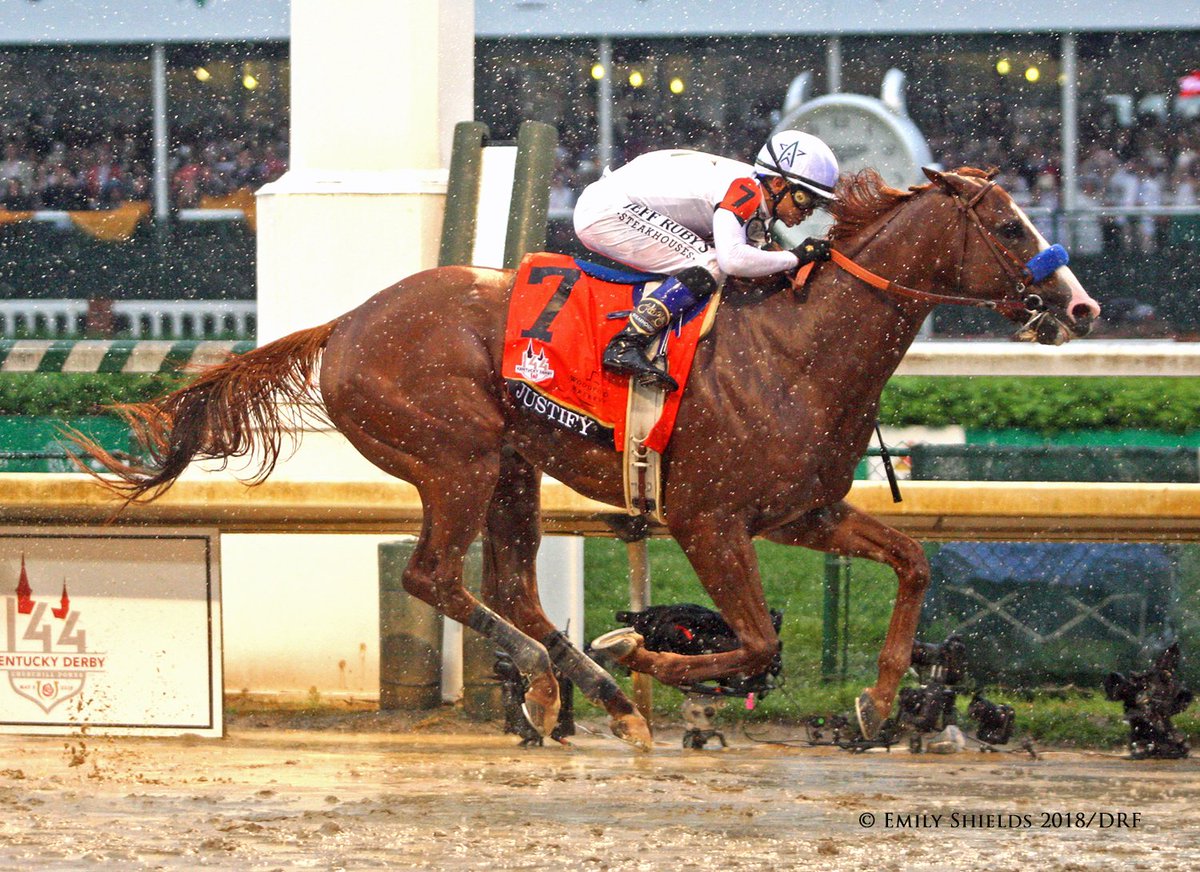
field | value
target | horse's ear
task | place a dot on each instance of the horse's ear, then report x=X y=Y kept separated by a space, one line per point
x=938 y=179
x=991 y=172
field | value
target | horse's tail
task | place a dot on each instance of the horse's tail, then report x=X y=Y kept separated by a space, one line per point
x=232 y=410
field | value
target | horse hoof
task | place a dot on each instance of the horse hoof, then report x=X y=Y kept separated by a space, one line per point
x=541 y=704
x=618 y=644
x=632 y=728
x=869 y=719
x=541 y=717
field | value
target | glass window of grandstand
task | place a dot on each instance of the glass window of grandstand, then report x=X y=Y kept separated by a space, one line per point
x=1140 y=131
x=228 y=121
x=996 y=100
x=75 y=126
x=1139 y=162
x=717 y=95
x=542 y=80
x=979 y=101
x=720 y=95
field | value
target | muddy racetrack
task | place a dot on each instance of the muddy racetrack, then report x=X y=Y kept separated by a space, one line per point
x=364 y=791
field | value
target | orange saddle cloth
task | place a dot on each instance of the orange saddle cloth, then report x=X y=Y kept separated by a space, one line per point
x=558 y=326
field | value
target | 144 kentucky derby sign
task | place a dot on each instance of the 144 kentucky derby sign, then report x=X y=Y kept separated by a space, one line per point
x=115 y=632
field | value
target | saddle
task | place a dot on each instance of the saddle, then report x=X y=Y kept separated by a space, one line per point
x=562 y=314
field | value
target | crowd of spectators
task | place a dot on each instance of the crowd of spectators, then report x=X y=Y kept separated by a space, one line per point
x=113 y=167
x=1151 y=163
x=1154 y=162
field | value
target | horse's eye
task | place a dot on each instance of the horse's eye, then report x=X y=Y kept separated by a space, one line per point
x=1011 y=230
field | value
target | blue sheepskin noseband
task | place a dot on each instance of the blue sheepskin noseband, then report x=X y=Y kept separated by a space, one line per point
x=1044 y=263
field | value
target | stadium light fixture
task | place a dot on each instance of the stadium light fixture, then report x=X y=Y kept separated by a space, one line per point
x=597 y=71
x=202 y=74
x=676 y=85
x=1032 y=74
x=1003 y=66
x=636 y=79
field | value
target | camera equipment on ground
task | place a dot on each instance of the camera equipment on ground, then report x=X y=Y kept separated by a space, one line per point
x=1151 y=699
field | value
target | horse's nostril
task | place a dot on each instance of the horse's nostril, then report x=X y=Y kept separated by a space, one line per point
x=1083 y=312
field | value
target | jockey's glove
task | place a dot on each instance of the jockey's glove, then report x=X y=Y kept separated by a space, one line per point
x=812 y=250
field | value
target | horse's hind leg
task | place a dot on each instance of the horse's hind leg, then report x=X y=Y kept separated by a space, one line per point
x=453 y=519
x=455 y=494
x=842 y=529
x=510 y=586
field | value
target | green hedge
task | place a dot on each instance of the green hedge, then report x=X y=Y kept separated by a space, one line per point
x=71 y=395
x=1044 y=405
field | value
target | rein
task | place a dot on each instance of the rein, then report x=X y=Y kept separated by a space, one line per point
x=1020 y=273
x=888 y=286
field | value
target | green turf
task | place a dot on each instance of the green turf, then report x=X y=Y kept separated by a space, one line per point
x=793 y=581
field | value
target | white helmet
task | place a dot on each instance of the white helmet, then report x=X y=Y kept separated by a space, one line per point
x=801 y=159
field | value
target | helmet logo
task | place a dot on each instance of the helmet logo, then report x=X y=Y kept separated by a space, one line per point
x=789 y=154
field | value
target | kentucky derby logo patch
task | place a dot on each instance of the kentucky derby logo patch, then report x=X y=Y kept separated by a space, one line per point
x=534 y=367
x=45 y=654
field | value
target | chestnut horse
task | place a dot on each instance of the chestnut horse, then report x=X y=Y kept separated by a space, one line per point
x=779 y=409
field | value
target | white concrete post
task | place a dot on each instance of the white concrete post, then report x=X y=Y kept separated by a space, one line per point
x=377 y=87
x=833 y=64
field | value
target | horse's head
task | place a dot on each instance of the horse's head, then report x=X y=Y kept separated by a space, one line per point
x=1007 y=262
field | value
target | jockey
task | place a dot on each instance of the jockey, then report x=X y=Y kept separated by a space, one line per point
x=697 y=218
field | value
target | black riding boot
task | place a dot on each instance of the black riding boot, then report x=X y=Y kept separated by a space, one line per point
x=626 y=354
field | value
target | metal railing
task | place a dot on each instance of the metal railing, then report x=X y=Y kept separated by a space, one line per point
x=140 y=319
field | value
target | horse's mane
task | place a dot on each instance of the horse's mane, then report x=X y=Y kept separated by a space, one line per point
x=864 y=197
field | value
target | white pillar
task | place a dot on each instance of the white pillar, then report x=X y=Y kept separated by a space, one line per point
x=604 y=105
x=1070 y=122
x=377 y=87
x=161 y=160
x=833 y=64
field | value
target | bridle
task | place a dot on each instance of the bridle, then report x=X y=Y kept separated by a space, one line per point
x=1015 y=300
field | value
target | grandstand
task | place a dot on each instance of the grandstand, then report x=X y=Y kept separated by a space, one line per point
x=184 y=106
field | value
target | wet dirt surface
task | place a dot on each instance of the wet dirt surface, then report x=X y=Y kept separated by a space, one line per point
x=359 y=792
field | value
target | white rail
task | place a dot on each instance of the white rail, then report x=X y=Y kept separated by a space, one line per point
x=148 y=319
x=1116 y=357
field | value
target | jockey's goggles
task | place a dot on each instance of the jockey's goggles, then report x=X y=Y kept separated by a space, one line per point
x=802 y=198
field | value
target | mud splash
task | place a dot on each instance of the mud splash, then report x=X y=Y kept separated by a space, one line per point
x=353 y=793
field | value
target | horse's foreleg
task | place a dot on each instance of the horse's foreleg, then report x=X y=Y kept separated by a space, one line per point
x=722 y=553
x=842 y=529
x=510 y=586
